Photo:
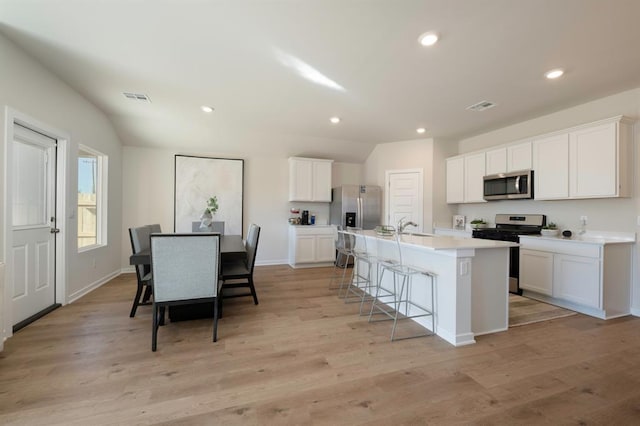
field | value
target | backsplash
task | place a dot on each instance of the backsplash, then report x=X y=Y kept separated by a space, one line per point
x=615 y=214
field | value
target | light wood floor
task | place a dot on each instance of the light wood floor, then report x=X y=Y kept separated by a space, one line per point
x=302 y=356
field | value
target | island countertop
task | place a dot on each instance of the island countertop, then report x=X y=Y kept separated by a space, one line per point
x=441 y=242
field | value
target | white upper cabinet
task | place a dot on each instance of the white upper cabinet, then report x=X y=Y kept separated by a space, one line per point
x=474 y=169
x=496 y=161
x=455 y=180
x=588 y=161
x=599 y=157
x=519 y=157
x=309 y=179
x=511 y=158
x=464 y=178
x=551 y=167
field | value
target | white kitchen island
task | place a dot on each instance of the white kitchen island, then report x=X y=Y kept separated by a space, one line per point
x=471 y=288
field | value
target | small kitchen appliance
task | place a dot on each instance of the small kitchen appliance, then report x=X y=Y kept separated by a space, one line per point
x=508 y=186
x=305 y=217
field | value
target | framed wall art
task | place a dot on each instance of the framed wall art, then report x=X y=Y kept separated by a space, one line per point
x=197 y=179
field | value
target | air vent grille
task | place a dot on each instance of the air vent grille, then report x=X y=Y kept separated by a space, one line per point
x=136 y=97
x=481 y=106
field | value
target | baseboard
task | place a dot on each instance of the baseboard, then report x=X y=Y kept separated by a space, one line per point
x=78 y=294
x=128 y=270
x=635 y=312
x=272 y=262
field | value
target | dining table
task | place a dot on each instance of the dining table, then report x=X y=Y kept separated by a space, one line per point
x=231 y=248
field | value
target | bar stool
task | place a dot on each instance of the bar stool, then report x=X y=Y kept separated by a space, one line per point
x=344 y=254
x=400 y=295
x=361 y=286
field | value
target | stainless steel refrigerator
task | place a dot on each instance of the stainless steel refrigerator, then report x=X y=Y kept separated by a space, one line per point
x=358 y=206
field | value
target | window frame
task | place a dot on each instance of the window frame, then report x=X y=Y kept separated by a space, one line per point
x=102 y=161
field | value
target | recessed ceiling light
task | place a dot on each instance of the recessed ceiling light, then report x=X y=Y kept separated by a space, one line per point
x=335 y=120
x=428 y=39
x=421 y=130
x=554 y=74
x=206 y=108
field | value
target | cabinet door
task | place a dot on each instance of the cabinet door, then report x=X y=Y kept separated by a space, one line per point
x=593 y=162
x=321 y=181
x=325 y=248
x=496 y=161
x=551 y=167
x=519 y=157
x=474 y=168
x=455 y=180
x=300 y=179
x=305 y=249
x=536 y=271
x=577 y=279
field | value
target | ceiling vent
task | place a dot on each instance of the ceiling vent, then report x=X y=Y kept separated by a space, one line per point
x=137 y=97
x=481 y=106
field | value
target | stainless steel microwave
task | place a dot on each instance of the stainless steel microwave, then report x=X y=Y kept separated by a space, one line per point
x=508 y=186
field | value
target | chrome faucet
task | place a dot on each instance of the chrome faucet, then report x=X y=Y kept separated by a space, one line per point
x=402 y=224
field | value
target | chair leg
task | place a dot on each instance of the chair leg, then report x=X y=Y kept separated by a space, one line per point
x=147 y=294
x=136 y=301
x=253 y=290
x=215 y=319
x=154 y=328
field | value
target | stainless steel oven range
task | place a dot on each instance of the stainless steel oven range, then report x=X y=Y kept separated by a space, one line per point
x=508 y=228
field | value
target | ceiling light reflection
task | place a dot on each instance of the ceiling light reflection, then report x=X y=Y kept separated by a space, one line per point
x=306 y=71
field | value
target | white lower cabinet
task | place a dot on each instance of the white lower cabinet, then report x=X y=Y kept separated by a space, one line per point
x=589 y=277
x=536 y=271
x=577 y=279
x=311 y=245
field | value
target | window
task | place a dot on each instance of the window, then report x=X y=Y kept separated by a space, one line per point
x=92 y=205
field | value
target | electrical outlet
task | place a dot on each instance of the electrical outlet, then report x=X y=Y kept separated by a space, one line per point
x=583 y=220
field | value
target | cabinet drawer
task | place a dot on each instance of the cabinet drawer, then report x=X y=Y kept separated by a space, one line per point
x=314 y=230
x=562 y=247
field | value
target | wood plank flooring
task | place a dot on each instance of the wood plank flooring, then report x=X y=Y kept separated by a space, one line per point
x=302 y=356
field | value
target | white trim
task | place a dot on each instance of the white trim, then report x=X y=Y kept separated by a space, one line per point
x=88 y=289
x=387 y=176
x=272 y=262
x=63 y=138
x=102 y=191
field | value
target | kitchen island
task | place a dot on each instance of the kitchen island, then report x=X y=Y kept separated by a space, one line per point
x=471 y=288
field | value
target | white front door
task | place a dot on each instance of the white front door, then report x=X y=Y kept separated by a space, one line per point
x=405 y=197
x=33 y=222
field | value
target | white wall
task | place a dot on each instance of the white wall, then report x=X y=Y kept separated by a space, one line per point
x=604 y=214
x=148 y=196
x=411 y=154
x=25 y=86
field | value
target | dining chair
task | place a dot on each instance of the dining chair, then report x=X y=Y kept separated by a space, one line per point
x=155 y=228
x=239 y=272
x=139 y=238
x=186 y=271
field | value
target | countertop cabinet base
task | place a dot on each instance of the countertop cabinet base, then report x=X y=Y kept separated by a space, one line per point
x=311 y=246
x=594 y=279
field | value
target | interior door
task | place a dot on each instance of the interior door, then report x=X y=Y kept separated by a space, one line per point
x=33 y=223
x=405 y=198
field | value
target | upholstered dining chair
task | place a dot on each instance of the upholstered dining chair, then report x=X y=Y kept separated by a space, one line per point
x=186 y=271
x=239 y=272
x=139 y=237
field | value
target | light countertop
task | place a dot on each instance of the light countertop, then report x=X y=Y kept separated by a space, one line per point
x=591 y=237
x=442 y=242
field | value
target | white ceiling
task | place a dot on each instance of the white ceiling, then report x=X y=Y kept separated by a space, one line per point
x=237 y=56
